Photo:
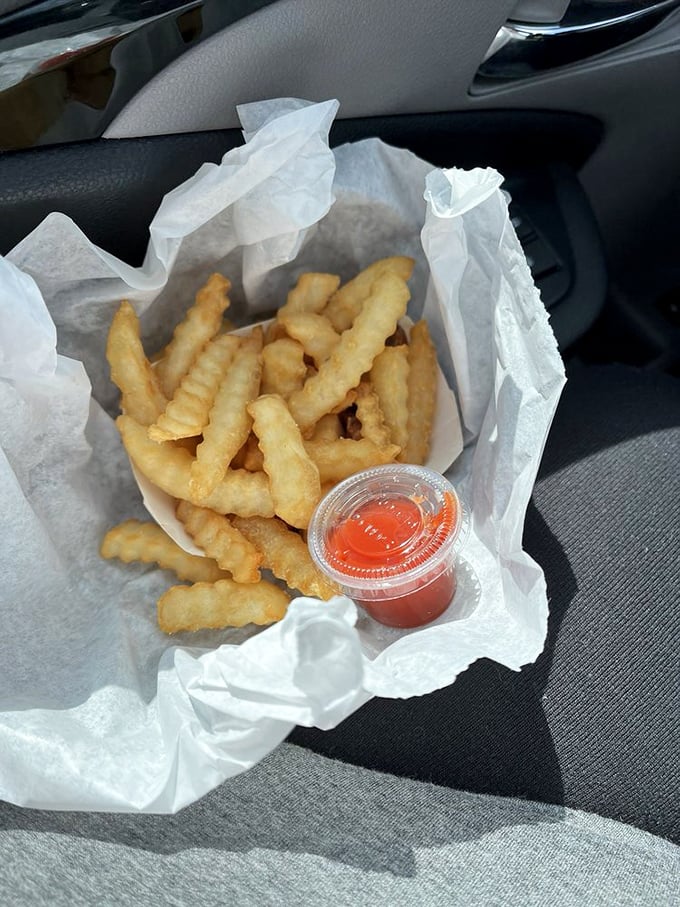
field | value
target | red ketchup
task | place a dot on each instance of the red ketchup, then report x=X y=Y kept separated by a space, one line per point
x=388 y=537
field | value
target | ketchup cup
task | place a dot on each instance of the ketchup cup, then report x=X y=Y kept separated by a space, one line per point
x=389 y=537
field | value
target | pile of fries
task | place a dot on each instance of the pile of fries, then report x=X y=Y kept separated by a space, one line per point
x=248 y=431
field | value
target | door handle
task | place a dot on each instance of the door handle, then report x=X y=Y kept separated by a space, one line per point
x=589 y=27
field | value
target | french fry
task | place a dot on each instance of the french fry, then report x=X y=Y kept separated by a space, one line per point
x=188 y=444
x=186 y=415
x=314 y=332
x=221 y=541
x=354 y=354
x=254 y=460
x=328 y=428
x=248 y=433
x=256 y=336
x=326 y=487
x=239 y=461
x=337 y=460
x=166 y=465
x=310 y=294
x=222 y=604
x=293 y=478
x=422 y=394
x=283 y=367
x=146 y=542
x=200 y=324
x=274 y=331
x=286 y=555
x=389 y=379
x=346 y=303
x=229 y=423
x=169 y=467
x=241 y=492
x=131 y=371
x=348 y=400
x=370 y=415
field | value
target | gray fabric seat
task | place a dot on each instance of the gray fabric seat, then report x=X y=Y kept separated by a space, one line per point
x=300 y=829
x=593 y=724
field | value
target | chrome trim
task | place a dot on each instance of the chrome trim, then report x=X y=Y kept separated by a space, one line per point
x=582 y=16
x=522 y=49
x=68 y=67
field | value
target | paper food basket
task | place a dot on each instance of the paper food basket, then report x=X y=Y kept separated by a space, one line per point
x=101 y=711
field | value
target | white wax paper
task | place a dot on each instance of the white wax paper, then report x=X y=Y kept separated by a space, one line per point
x=98 y=709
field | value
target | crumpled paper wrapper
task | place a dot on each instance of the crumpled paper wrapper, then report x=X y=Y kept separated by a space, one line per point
x=98 y=709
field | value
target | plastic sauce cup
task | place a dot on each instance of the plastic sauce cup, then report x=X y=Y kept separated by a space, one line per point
x=389 y=537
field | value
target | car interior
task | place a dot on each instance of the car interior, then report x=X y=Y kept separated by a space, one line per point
x=107 y=105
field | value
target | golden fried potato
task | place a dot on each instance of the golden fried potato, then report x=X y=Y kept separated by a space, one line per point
x=326 y=487
x=283 y=367
x=370 y=416
x=346 y=303
x=221 y=541
x=254 y=460
x=186 y=415
x=286 y=555
x=389 y=379
x=337 y=460
x=334 y=390
x=314 y=332
x=422 y=394
x=222 y=604
x=328 y=428
x=200 y=324
x=229 y=423
x=131 y=371
x=310 y=294
x=354 y=354
x=347 y=401
x=293 y=478
x=146 y=542
x=273 y=332
x=169 y=467
x=188 y=444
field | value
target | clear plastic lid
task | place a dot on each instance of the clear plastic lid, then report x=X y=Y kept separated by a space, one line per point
x=386 y=530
